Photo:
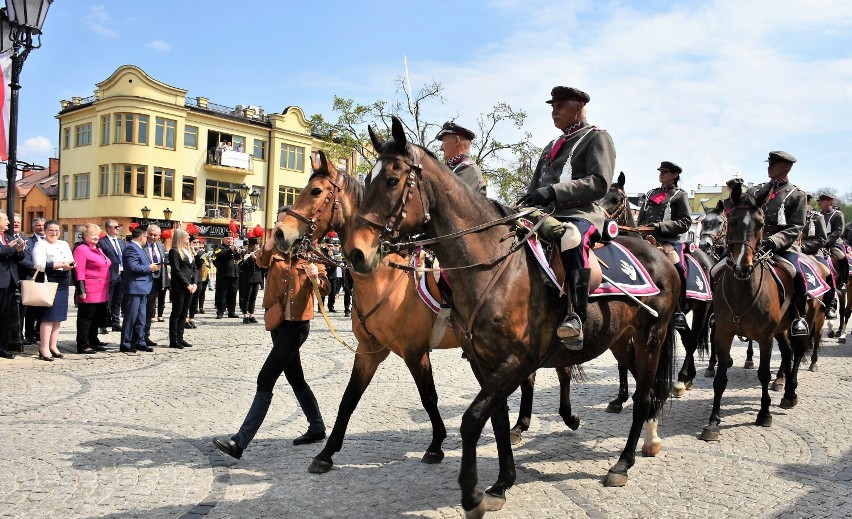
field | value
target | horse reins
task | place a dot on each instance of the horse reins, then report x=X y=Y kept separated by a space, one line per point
x=331 y=200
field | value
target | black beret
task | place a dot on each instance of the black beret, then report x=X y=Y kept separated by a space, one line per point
x=451 y=128
x=825 y=196
x=780 y=156
x=563 y=93
x=670 y=166
x=252 y=241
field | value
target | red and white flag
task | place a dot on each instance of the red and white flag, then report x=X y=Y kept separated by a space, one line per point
x=5 y=93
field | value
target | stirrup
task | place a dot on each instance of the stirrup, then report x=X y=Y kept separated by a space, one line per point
x=570 y=332
x=799 y=328
x=842 y=288
x=680 y=321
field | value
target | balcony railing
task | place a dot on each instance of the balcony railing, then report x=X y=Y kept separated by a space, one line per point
x=243 y=112
x=229 y=158
x=217 y=212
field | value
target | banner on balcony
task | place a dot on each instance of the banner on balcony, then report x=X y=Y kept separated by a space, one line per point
x=235 y=159
x=5 y=93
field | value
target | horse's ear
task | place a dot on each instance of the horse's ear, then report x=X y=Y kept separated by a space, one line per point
x=376 y=139
x=398 y=133
x=317 y=161
x=736 y=193
x=720 y=206
x=621 y=180
x=761 y=197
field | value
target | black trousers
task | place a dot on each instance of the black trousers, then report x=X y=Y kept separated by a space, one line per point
x=156 y=301
x=89 y=317
x=332 y=295
x=8 y=310
x=226 y=294
x=248 y=296
x=202 y=293
x=116 y=293
x=284 y=357
x=347 y=290
x=181 y=300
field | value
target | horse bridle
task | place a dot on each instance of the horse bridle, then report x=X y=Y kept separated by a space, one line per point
x=332 y=199
x=620 y=211
x=721 y=240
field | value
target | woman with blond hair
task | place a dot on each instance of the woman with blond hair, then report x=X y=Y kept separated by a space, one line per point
x=92 y=277
x=184 y=279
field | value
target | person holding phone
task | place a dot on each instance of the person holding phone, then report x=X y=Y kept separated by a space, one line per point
x=11 y=253
x=53 y=257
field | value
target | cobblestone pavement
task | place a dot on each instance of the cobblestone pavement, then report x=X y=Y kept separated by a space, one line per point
x=116 y=435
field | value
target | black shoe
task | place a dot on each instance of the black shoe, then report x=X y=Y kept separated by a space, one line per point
x=185 y=344
x=102 y=330
x=6 y=354
x=85 y=351
x=99 y=347
x=40 y=357
x=142 y=347
x=309 y=437
x=200 y=311
x=149 y=342
x=253 y=320
x=332 y=311
x=799 y=328
x=127 y=350
x=680 y=323
x=176 y=345
x=192 y=325
x=346 y=313
x=29 y=341
x=116 y=329
x=229 y=447
x=219 y=316
x=246 y=320
x=232 y=315
x=57 y=355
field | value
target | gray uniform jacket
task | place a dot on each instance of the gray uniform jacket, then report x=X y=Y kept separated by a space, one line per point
x=847 y=234
x=468 y=172
x=784 y=214
x=592 y=166
x=834 y=225
x=813 y=235
x=668 y=208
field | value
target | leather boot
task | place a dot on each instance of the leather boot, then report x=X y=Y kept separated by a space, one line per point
x=679 y=319
x=799 y=328
x=316 y=427
x=570 y=330
x=255 y=417
x=831 y=304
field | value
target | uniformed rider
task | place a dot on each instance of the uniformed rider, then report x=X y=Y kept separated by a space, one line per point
x=666 y=209
x=785 y=212
x=834 y=225
x=572 y=174
x=813 y=235
x=455 y=144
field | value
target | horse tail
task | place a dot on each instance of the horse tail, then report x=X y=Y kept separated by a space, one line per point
x=704 y=339
x=665 y=368
x=578 y=374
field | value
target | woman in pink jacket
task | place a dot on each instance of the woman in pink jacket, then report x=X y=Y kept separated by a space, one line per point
x=92 y=276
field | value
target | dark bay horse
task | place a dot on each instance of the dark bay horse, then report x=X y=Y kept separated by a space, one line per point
x=844 y=311
x=617 y=206
x=328 y=202
x=747 y=302
x=504 y=312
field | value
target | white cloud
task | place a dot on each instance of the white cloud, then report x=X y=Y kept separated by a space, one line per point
x=97 y=20
x=158 y=45
x=36 y=150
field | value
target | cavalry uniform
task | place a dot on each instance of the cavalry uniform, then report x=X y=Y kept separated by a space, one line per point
x=813 y=235
x=835 y=228
x=666 y=210
x=572 y=174
x=462 y=165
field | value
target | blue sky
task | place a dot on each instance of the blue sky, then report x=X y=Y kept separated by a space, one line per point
x=710 y=85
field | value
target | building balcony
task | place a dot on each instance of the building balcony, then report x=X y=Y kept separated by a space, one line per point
x=216 y=214
x=228 y=161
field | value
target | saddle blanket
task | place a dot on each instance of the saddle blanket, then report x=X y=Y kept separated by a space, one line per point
x=817 y=286
x=625 y=271
x=422 y=285
x=697 y=283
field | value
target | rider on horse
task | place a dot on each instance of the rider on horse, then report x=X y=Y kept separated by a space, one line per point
x=573 y=173
x=785 y=212
x=833 y=218
x=667 y=211
x=455 y=144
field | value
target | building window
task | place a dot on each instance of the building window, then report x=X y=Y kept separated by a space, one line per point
x=190 y=136
x=105 y=120
x=164 y=133
x=287 y=195
x=66 y=183
x=81 y=186
x=259 y=149
x=83 y=135
x=238 y=143
x=164 y=183
x=188 y=189
x=131 y=128
x=216 y=199
x=104 y=187
x=129 y=179
x=66 y=138
x=292 y=157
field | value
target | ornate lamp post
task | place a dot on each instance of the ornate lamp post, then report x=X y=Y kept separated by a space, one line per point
x=167 y=213
x=20 y=31
x=145 y=214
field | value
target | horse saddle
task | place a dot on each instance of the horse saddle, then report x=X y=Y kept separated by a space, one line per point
x=810 y=270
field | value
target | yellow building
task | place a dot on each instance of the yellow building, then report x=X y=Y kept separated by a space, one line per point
x=139 y=143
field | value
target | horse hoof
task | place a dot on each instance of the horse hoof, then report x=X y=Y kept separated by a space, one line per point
x=789 y=403
x=649 y=450
x=778 y=385
x=493 y=503
x=749 y=364
x=679 y=389
x=831 y=334
x=614 y=479
x=614 y=407
x=813 y=367
x=476 y=513
x=710 y=372
x=764 y=421
x=710 y=433
x=573 y=423
x=319 y=466
x=516 y=436
x=432 y=458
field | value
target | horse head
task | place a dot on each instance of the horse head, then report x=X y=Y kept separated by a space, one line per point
x=616 y=203
x=325 y=204
x=394 y=204
x=745 y=231
x=713 y=229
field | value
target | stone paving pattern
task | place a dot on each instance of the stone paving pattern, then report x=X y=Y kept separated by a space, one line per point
x=113 y=435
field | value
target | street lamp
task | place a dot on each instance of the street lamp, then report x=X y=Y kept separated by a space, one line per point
x=167 y=213
x=145 y=214
x=20 y=31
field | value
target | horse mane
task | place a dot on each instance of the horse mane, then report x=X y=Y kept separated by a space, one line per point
x=350 y=184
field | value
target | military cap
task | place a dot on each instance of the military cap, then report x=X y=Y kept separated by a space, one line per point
x=563 y=93
x=780 y=156
x=451 y=128
x=670 y=166
x=252 y=241
x=825 y=196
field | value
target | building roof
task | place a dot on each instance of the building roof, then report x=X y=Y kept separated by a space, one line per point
x=47 y=180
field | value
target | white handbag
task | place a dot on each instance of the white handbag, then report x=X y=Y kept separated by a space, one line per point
x=38 y=293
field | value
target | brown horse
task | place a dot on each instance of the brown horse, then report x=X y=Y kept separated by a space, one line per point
x=328 y=202
x=844 y=311
x=617 y=207
x=504 y=311
x=747 y=302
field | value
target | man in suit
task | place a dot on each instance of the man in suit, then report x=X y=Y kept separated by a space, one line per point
x=137 y=280
x=157 y=255
x=227 y=277
x=11 y=253
x=113 y=246
x=32 y=322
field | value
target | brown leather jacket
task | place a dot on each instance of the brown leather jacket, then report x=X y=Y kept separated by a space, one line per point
x=286 y=282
